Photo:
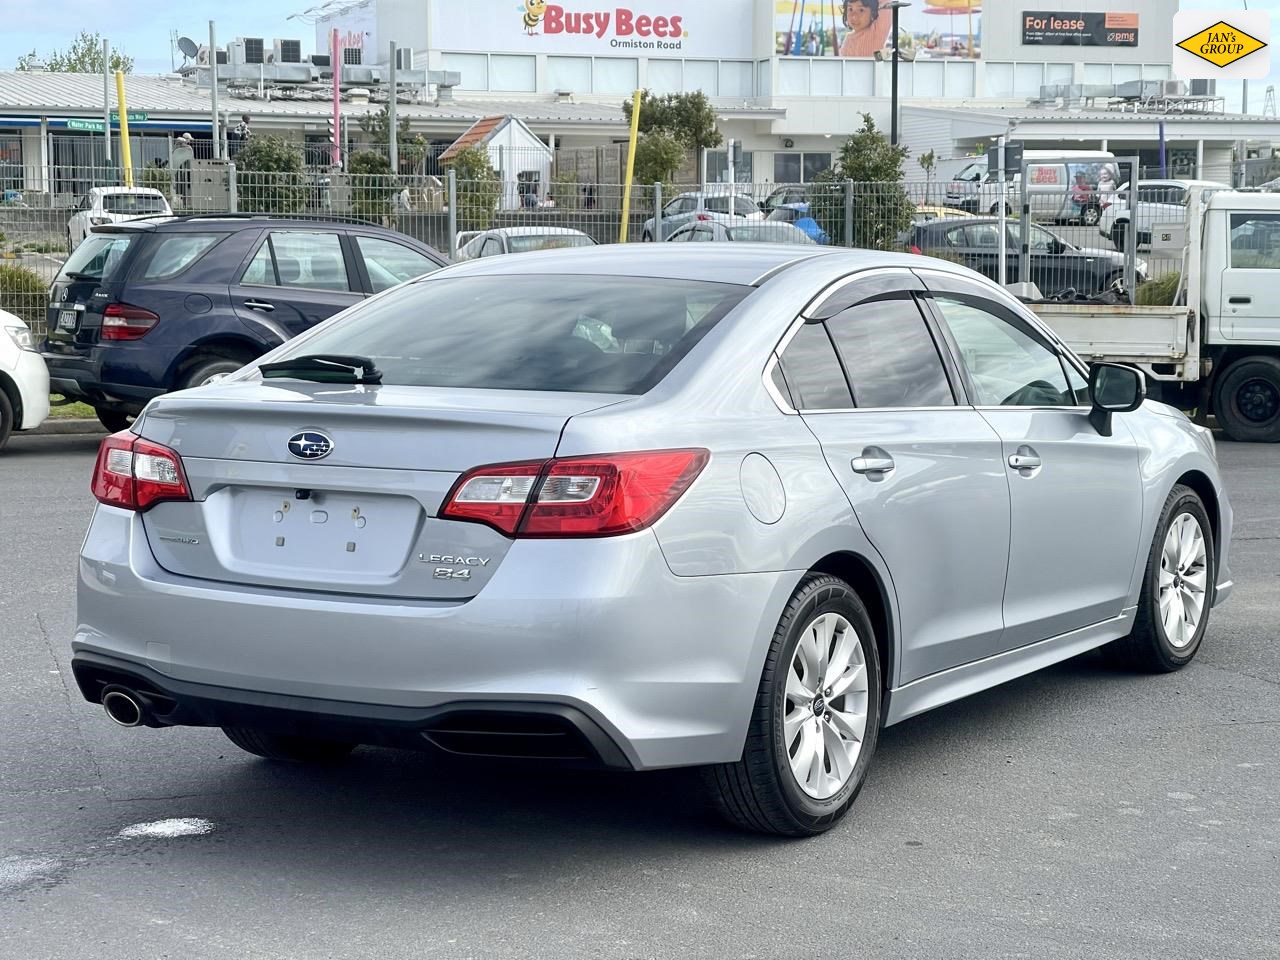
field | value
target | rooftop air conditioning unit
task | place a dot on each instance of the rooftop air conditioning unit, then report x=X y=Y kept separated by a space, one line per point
x=320 y=60
x=404 y=58
x=202 y=56
x=222 y=58
x=288 y=51
x=352 y=56
x=1175 y=88
x=254 y=49
x=235 y=52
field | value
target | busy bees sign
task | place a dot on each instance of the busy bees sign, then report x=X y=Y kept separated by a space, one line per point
x=1212 y=44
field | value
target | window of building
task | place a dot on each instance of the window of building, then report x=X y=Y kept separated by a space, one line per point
x=512 y=73
x=615 y=75
x=799 y=167
x=718 y=167
x=571 y=74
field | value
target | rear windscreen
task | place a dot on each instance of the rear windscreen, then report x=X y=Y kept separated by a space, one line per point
x=98 y=258
x=549 y=241
x=576 y=334
x=768 y=233
x=133 y=204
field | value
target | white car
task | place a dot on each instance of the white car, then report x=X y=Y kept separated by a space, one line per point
x=495 y=243
x=712 y=205
x=103 y=205
x=24 y=379
x=1159 y=201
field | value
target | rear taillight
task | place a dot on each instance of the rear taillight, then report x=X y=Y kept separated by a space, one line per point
x=702 y=216
x=601 y=496
x=134 y=473
x=120 y=321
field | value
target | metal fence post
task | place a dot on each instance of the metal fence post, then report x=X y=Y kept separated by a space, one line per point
x=657 y=211
x=453 y=214
x=848 y=213
x=233 y=190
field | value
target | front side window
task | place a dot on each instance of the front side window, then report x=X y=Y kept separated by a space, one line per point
x=1008 y=367
x=744 y=207
x=1255 y=241
x=813 y=372
x=579 y=334
x=177 y=252
x=492 y=247
x=390 y=263
x=890 y=355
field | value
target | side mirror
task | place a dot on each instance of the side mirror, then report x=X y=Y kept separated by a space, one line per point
x=1114 y=388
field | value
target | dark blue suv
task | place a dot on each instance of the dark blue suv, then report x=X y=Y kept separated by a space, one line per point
x=149 y=306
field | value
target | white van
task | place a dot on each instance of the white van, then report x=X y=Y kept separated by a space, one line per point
x=1061 y=186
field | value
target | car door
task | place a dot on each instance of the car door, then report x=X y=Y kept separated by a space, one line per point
x=1054 y=265
x=1248 y=310
x=923 y=473
x=1075 y=495
x=294 y=280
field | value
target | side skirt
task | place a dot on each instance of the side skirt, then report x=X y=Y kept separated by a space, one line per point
x=933 y=691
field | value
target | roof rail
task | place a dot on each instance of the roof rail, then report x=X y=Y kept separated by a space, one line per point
x=319 y=217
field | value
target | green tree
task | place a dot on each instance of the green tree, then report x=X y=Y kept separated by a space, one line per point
x=157 y=178
x=658 y=157
x=688 y=117
x=376 y=126
x=929 y=164
x=478 y=188
x=270 y=176
x=371 y=184
x=83 y=56
x=870 y=170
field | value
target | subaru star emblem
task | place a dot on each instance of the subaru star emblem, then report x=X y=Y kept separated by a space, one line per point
x=310 y=445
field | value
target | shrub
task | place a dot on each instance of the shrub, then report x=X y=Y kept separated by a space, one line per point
x=478 y=188
x=158 y=178
x=658 y=156
x=565 y=191
x=371 y=184
x=270 y=176
x=1158 y=292
x=24 y=293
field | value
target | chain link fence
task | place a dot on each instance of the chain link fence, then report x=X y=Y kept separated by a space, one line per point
x=1072 y=244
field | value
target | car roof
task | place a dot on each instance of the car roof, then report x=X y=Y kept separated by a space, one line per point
x=231 y=223
x=744 y=264
x=535 y=231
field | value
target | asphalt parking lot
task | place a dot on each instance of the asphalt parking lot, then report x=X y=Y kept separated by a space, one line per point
x=1080 y=812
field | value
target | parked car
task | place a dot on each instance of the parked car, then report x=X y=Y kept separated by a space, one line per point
x=741 y=230
x=924 y=213
x=700 y=206
x=799 y=216
x=103 y=205
x=495 y=243
x=1159 y=201
x=150 y=306
x=646 y=507
x=1055 y=266
x=24 y=380
x=785 y=196
x=1062 y=186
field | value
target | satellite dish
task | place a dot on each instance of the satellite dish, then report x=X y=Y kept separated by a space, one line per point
x=188 y=47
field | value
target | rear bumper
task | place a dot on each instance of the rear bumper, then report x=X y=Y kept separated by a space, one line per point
x=81 y=378
x=667 y=667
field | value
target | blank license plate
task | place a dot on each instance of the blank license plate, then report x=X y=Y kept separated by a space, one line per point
x=67 y=320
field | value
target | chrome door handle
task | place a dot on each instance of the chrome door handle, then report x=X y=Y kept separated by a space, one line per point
x=873 y=464
x=259 y=305
x=1025 y=459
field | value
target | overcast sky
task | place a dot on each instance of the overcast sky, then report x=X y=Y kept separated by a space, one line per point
x=141 y=28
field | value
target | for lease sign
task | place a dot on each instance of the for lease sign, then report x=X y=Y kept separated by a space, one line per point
x=653 y=28
x=1049 y=28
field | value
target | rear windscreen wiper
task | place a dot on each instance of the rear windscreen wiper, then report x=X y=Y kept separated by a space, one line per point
x=324 y=368
x=80 y=276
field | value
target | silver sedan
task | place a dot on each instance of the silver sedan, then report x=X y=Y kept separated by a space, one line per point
x=735 y=507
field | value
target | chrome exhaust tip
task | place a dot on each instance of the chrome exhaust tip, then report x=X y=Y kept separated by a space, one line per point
x=122 y=706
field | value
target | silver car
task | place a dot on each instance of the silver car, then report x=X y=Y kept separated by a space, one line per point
x=700 y=206
x=735 y=507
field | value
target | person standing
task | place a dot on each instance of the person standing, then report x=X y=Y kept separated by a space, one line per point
x=867 y=29
x=242 y=131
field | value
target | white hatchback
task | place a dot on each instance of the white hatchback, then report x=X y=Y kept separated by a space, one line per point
x=103 y=205
x=24 y=379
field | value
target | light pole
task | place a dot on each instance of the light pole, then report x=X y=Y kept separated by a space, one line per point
x=895 y=6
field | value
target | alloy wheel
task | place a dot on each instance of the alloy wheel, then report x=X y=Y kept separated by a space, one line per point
x=1184 y=580
x=825 y=716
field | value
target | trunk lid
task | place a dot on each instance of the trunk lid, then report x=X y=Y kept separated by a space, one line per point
x=363 y=518
x=92 y=278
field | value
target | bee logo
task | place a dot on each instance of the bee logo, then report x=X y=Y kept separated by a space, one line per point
x=533 y=11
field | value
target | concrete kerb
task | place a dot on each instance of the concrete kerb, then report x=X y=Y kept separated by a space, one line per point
x=65 y=427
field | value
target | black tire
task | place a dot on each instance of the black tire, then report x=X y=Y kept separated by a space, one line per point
x=113 y=420
x=207 y=367
x=1118 y=232
x=646 y=237
x=1148 y=647
x=1246 y=400
x=7 y=419
x=759 y=792
x=1090 y=216
x=275 y=746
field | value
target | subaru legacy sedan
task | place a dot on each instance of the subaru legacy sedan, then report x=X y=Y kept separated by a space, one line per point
x=734 y=507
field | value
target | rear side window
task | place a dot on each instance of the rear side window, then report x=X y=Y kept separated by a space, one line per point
x=177 y=252
x=134 y=205
x=717 y=204
x=98 y=258
x=579 y=334
x=890 y=355
x=813 y=372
